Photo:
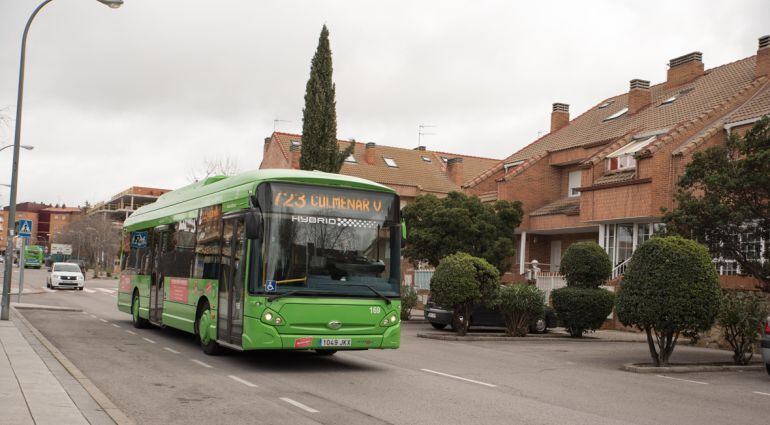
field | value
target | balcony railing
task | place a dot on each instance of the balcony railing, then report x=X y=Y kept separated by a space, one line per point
x=618 y=270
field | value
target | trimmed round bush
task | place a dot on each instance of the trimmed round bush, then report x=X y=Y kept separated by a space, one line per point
x=582 y=309
x=586 y=265
x=519 y=305
x=670 y=286
x=461 y=281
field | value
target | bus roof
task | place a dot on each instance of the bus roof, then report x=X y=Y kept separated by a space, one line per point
x=233 y=193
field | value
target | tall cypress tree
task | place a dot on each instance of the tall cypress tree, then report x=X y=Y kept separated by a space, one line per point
x=319 y=117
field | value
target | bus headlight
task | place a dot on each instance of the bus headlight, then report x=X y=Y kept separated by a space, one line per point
x=390 y=319
x=272 y=318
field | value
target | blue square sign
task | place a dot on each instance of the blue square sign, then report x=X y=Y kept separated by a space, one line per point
x=25 y=228
x=271 y=286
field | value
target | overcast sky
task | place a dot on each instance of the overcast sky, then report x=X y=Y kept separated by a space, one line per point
x=142 y=94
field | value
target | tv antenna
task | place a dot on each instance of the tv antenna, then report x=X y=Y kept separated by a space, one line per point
x=421 y=132
x=276 y=121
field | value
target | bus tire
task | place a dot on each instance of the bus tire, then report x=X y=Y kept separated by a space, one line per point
x=138 y=321
x=203 y=322
x=325 y=352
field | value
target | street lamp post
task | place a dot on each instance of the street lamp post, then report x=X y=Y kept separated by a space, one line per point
x=5 y=302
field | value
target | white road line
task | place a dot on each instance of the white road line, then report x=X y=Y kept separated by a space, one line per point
x=761 y=393
x=171 y=350
x=90 y=291
x=298 y=404
x=131 y=332
x=106 y=291
x=683 y=380
x=117 y=326
x=242 y=381
x=148 y=340
x=201 y=363
x=92 y=316
x=102 y=320
x=459 y=377
x=84 y=312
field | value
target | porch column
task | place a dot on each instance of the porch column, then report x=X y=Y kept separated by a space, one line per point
x=521 y=252
x=601 y=236
x=635 y=234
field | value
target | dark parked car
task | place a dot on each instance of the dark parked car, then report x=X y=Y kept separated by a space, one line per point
x=440 y=318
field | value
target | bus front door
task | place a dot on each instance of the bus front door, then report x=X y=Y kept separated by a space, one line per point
x=231 y=282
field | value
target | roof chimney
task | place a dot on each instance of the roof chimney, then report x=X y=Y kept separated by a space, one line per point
x=684 y=69
x=639 y=95
x=369 y=153
x=295 y=151
x=763 y=57
x=454 y=167
x=267 y=144
x=559 y=116
x=420 y=148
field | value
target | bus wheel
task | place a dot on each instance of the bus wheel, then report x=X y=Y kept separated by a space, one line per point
x=138 y=321
x=203 y=329
x=325 y=352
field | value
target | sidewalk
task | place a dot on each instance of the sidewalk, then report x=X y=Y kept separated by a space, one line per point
x=35 y=388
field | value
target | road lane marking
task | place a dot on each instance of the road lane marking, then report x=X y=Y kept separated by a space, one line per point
x=117 y=326
x=460 y=378
x=102 y=320
x=171 y=350
x=84 y=312
x=761 y=393
x=90 y=291
x=106 y=291
x=201 y=363
x=242 y=381
x=131 y=332
x=148 y=340
x=683 y=380
x=92 y=316
x=300 y=405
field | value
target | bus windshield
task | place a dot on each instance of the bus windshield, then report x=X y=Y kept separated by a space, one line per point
x=334 y=241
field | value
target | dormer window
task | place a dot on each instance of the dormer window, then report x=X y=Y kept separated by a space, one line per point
x=509 y=165
x=623 y=158
x=390 y=162
x=606 y=104
x=425 y=158
x=295 y=143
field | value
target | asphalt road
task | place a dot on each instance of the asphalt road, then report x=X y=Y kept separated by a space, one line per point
x=162 y=376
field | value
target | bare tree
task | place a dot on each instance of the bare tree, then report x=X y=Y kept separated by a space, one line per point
x=216 y=166
x=5 y=122
x=94 y=239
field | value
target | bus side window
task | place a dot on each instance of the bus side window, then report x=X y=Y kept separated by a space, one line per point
x=208 y=243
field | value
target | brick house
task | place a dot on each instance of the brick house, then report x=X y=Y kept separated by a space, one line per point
x=605 y=175
x=410 y=172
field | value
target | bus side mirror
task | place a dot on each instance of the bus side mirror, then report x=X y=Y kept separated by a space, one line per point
x=253 y=222
x=403 y=234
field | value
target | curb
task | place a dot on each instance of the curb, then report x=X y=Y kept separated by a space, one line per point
x=99 y=397
x=643 y=368
x=23 y=306
x=517 y=339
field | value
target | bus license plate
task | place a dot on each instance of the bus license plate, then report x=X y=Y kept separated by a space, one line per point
x=335 y=342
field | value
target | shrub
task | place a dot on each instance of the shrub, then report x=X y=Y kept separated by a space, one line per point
x=462 y=281
x=519 y=305
x=582 y=309
x=586 y=265
x=740 y=316
x=408 y=301
x=670 y=286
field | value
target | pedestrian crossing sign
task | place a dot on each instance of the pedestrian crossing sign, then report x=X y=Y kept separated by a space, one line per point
x=25 y=228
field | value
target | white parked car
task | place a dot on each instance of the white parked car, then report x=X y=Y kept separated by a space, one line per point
x=65 y=275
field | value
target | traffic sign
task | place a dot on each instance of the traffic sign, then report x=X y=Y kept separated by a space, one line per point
x=139 y=240
x=271 y=286
x=25 y=228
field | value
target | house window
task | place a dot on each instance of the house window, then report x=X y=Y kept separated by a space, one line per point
x=425 y=158
x=574 y=183
x=295 y=142
x=390 y=162
x=751 y=247
x=617 y=114
x=623 y=158
x=606 y=104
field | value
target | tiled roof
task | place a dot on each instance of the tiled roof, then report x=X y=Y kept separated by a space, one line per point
x=412 y=170
x=615 y=177
x=567 y=206
x=757 y=107
x=695 y=98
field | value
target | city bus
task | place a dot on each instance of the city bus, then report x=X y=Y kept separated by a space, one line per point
x=268 y=259
x=33 y=256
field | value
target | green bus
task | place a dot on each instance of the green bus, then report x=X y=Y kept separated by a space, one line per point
x=33 y=256
x=268 y=259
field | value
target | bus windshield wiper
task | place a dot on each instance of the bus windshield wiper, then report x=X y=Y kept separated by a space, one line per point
x=379 y=294
x=272 y=298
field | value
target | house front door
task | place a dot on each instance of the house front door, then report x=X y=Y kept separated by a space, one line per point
x=555 y=255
